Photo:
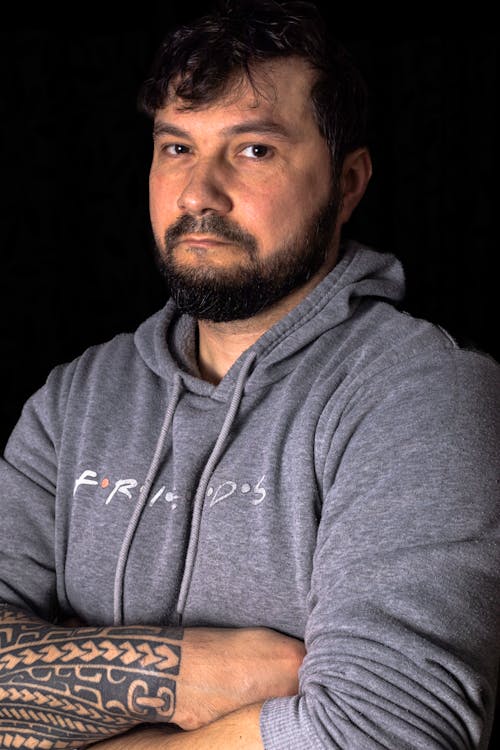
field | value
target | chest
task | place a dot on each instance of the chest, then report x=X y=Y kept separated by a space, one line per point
x=244 y=535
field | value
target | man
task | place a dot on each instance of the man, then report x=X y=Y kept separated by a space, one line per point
x=268 y=518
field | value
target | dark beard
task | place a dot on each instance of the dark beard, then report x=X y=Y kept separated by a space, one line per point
x=225 y=295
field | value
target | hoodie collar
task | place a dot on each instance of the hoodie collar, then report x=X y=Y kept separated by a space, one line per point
x=167 y=341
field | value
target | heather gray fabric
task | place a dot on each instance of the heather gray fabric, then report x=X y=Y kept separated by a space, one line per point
x=340 y=484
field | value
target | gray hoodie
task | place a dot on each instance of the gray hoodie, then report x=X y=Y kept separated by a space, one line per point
x=340 y=484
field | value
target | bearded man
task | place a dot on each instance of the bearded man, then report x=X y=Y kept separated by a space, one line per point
x=268 y=518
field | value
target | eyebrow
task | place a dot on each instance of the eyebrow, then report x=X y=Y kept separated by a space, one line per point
x=265 y=127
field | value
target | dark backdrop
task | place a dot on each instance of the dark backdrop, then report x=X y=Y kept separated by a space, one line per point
x=76 y=265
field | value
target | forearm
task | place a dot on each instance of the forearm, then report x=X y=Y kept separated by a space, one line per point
x=72 y=686
x=238 y=730
x=81 y=685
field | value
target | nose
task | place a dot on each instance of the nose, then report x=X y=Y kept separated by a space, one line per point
x=204 y=191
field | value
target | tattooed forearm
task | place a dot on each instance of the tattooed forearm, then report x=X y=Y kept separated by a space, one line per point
x=65 y=687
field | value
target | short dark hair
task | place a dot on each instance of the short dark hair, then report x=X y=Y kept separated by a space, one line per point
x=197 y=62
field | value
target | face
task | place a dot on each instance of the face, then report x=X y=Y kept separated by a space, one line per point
x=242 y=206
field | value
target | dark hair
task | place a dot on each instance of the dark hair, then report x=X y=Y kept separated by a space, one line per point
x=197 y=62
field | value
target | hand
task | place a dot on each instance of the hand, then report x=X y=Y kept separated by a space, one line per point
x=223 y=669
x=143 y=737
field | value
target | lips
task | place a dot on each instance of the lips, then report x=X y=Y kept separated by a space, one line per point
x=197 y=240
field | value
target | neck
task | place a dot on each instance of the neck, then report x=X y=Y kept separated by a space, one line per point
x=220 y=344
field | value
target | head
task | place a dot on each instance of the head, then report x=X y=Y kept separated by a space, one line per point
x=268 y=63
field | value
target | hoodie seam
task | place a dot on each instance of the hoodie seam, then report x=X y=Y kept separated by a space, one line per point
x=449 y=349
x=313 y=310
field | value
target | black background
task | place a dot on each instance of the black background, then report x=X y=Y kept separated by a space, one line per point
x=75 y=259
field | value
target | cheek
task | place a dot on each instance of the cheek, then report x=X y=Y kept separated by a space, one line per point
x=161 y=202
x=280 y=210
x=269 y=203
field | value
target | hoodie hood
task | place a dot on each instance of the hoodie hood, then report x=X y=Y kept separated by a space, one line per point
x=167 y=340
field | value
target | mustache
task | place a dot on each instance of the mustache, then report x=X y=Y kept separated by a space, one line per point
x=212 y=224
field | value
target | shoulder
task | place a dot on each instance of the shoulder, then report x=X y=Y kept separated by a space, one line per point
x=406 y=379
x=109 y=357
x=388 y=345
x=439 y=407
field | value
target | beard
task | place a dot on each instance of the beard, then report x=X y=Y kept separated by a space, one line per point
x=255 y=284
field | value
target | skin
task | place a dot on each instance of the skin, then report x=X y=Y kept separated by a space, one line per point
x=261 y=162
x=64 y=686
x=238 y=730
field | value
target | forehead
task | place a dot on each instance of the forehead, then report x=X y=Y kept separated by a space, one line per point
x=280 y=89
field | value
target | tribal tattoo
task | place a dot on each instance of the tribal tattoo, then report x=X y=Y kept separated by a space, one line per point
x=64 y=687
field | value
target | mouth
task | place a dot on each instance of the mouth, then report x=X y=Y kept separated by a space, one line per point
x=202 y=241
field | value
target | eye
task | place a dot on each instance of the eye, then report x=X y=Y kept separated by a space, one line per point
x=174 y=149
x=256 y=151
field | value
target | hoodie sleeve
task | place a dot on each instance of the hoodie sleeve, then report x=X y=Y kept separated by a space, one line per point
x=403 y=629
x=28 y=478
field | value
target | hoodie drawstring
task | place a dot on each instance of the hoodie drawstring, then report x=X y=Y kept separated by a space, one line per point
x=198 y=500
x=205 y=478
x=141 y=503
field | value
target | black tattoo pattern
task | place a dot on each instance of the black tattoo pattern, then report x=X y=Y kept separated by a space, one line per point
x=61 y=687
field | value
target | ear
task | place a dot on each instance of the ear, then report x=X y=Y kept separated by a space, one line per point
x=356 y=173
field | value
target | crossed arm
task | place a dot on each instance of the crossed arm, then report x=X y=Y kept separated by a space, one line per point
x=238 y=730
x=67 y=687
